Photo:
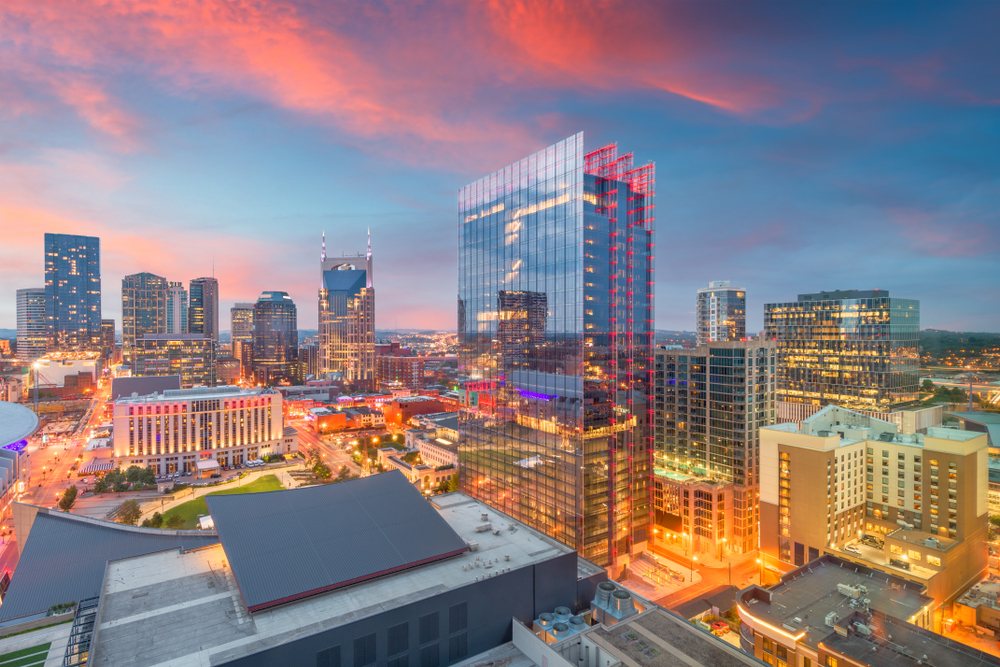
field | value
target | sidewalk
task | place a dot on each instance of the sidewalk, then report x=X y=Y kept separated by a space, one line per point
x=707 y=560
x=654 y=581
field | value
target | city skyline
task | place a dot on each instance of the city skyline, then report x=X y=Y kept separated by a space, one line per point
x=771 y=125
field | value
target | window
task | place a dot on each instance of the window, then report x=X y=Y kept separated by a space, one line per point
x=430 y=656
x=768 y=658
x=364 y=651
x=328 y=657
x=933 y=560
x=831 y=661
x=782 y=652
x=768 y=645
x=896 y=549
x=458 y=618
x=428 y=628
x=458 y=647
x=914 y=555
x=399 y=640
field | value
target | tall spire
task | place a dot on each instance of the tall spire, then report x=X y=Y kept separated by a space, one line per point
x=322 y=256
x=369 y=243
x=371 y=279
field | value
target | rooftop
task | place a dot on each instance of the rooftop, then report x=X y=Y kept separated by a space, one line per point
x=17 y=422
x=143 y=386
x=198 y=594
x=800 y=602
x=196 y=393
x=986 y=593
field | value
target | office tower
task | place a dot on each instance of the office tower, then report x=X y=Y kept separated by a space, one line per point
x=721 y=312
x=408 y=371
x=842 y=482
x=191 y=356
x=241 y=335
x=203 y=313
x=72 y=293
x=555 y=317
x=710 y=403
x=144 y=309
x=347 y=317
x=177 y=308
x=275 y=340
x=856 y=349
x=107 y=343
x=30 y=324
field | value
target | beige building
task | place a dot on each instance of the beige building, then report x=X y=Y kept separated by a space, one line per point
x=913 y=505
x=172 y=431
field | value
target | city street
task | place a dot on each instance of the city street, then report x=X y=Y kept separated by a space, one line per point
x=334 y=455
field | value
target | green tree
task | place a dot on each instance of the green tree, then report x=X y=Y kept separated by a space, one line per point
x=129 y=513
x=115 y=481
x=133 y=475
x=322 y=470
x=175 y=522
x=453 y=483
x=928 y=385
x=101 y=485
x=69 y=497
x=148 y=476
x=157 y=520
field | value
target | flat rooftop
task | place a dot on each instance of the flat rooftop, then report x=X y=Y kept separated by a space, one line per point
x=196 y=593
x=809 y=593
x=658 y=638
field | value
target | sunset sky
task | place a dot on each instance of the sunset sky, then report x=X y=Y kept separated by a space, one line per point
x=799 y=146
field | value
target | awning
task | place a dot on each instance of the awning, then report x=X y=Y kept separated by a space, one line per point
x=97 y=466
x=208 y=464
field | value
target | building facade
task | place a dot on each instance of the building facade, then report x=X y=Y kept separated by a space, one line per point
x=555 y=327
x=408 y=371
x=721 y=313
x=709 y=404
x=177 y=309
x=173 y=430
x=108 y=345
x=856 y=349
x=203 y=311
x=275 y=340
x=191 y=356
x=30 y=324
x=914 y=505
x=72 y=293
x=144 y=309
x=241 y=335
x=347 y=318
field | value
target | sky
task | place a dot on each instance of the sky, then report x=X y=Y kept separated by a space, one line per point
x=799 y=147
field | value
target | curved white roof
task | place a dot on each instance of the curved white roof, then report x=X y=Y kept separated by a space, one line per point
x=16 y=423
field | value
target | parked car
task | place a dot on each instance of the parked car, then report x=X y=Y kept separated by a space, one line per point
x=852 y=549
x=216 y=475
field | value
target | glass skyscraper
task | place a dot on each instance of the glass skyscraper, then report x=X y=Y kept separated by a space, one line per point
x=144 y=310
x=241 y=335
x=856 y=349
x=203 y=313
x=72 y=293
x=347 y=318
x=177 y=308
x=30 y=324
x=555 y=325
x=275 y=340
x=721 y=313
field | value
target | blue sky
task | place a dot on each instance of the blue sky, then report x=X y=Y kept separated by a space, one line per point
x=798 y=146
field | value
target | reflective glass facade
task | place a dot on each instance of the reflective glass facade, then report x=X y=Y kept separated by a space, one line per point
x=72 y=293
x=275 y=340
x=203 y=312
x=30 y=324
x=555 y=323
x=191 y=356
x=856 y=349
x=721 y=313
x=347 y=319
x=144 y=309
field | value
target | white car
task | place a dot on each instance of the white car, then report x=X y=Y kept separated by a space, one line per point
x=852 y=549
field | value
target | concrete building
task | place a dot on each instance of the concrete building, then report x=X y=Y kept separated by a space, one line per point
x=399 y=411
x=709 y=404
x=30 y=324
x=408 y=371
x=721 y=313
x=857 y=349
x=913 y=505
x=191 y=356
x=144 y=309
x=347 y=318
x=834 y=613
x=176 y=429
x=72 y=293
x=177 y=309
x=62 y=369
x=203 y=309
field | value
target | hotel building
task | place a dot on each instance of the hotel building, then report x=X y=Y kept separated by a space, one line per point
x=190 y=356
x=555 y=327
x=721 y=313
x=72 y=293
x=912 y=505
x=173 y=430
x=709 y=404
x=177 y=309
x=30 y=324
x=856 y=349
x=347 y=318
x=144 y=309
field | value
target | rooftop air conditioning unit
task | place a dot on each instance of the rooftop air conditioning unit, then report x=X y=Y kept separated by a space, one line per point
x=832 y=618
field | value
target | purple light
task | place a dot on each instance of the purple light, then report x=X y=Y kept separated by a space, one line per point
x=531 y=394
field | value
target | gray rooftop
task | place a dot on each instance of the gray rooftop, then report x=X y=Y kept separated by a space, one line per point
x=336 y=534
x=65 y=556
x=17 y=422
x=810 y=593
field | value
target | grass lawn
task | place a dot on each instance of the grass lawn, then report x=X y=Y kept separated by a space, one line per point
x=192 y=508
x=27 y=656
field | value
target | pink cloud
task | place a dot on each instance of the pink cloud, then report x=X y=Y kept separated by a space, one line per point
x=941 y=235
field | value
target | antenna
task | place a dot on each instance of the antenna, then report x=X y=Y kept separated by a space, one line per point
x=322 y=256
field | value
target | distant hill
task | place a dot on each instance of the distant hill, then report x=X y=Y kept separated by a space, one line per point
x=10 y=334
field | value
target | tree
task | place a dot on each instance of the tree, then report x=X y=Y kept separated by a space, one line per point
x=114 y=481
x=69 y=497
x=133 y=475
x=129 y=512
x=157 y=520
x=453 y=483
x=148 y=476
x=928 y=385
x=175 y=522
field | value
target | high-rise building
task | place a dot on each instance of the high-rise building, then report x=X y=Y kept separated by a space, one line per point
x=347 y=317
x=72 y=293
x=275 y=340
x=30 y=324
x=191 y=356
x=555 y=317
x=721 y=313
x=177 y=309
x=144 y=309
x=241 y=335
x=108 y=343
x=710 y=403
x=856 y=349
x=408 y=371
x=203 y=313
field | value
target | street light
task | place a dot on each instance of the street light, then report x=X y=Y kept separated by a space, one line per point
x=694 y=559
x=760 y=576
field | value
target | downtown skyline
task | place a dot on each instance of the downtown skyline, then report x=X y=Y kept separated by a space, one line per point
x=799 y=148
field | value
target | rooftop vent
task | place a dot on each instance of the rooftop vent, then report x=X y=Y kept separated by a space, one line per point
x=577 y=622
x=560 y=630
x=622 y=602
x=604 y=591
x=563 y=614
x=546 y=620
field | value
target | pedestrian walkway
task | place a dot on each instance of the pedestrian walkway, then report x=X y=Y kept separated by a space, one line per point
x=655 y=577
x=703 y=559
